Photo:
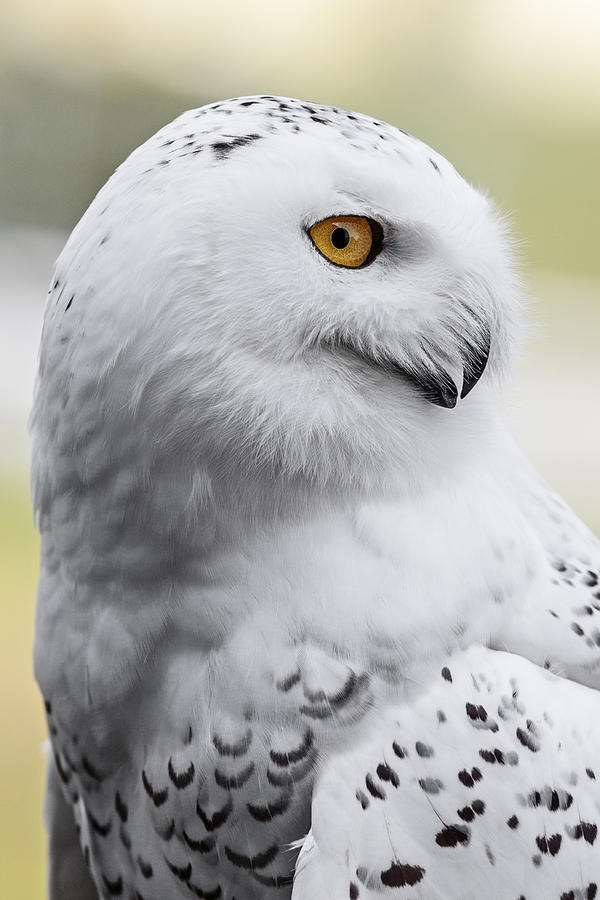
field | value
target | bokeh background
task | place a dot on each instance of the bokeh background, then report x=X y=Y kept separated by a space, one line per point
x=508 y=90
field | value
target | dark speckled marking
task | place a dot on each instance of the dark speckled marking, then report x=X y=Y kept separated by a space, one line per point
x=90 y=770
x=466 y=814
x=353 y=891
x=362 y=799
x=222 y=149
x=286 y=777
x=550 y=844
x=63 y=774
x=447 y=674
x=101 y=828
x=268 y=811
x=258 y=861
x=590 y=893
x=469 y=778
x=218 y=818
x=513 y=822
x=316 y=712
x=431 y=785
x=352 y=684
x=478 y=717
x=214 y=894
x=551 y=798
x=157 y=797
x=586 y=830
x=528 y=739
x=453 y=835
x=287 y=683
x=183 y=873
x=372 y=788
x=235 y=749
x=145 y=868
x=167 y=831
x=181 y=780
x=233 y=782
x=121 y=808
x=386 y=773
x=293 y=756
x=424 y=750
x=487 y=756
x=401 y=752
x=114 y=888
x=402 y=875
x=202 y=846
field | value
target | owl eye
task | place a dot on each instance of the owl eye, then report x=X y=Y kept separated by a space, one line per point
x=350 y=241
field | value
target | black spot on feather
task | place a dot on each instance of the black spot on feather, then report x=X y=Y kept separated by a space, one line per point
x=121 y=808
x=374 y=791
x=293 y=756
x=402 y=875
x=218 y=818
x=258 y=861
x=234 y=749
x=181 y=780
x=453 y=835
x=233 y=782
x=269 y=810
x=222 y=149
x=114 y=888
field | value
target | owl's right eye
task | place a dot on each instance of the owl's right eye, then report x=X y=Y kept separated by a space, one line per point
x=349 y=241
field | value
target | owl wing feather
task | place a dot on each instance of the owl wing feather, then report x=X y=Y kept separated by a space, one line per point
x=485 y=785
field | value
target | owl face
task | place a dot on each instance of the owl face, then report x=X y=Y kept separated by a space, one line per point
x=285 y=288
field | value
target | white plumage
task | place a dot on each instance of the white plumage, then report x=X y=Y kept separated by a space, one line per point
x=484 y=785
x=276 y=497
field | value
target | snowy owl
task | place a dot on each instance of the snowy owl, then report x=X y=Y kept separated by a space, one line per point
x=299 y=588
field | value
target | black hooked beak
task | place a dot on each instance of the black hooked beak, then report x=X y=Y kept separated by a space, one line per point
x=437 y=385
x=433 y=381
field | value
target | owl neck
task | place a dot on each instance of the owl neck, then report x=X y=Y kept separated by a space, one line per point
x=160 y=514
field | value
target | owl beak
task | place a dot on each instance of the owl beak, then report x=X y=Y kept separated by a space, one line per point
x=438 y=382
x=475 y=362
x=439 y=387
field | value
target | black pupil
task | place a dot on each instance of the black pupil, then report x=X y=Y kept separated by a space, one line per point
x=340 y=238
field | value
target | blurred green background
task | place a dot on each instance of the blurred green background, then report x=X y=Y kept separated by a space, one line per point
x=509 y=91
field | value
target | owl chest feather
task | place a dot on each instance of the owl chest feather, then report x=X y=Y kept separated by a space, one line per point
x=275 y=657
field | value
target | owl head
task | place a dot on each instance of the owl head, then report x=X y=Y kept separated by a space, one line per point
x=280 y=293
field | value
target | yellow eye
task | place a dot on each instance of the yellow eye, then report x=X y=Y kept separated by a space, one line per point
x=350 y=241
